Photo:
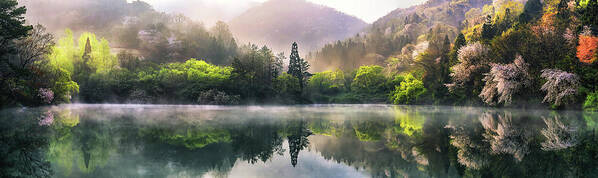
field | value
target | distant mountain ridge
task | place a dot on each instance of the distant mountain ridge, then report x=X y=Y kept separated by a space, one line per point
x=402 y=31
x=278 y=23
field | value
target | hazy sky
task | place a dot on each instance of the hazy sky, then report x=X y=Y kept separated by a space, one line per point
x=210 y=11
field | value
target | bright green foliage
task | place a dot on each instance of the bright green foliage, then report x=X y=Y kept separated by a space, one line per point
x=287 y=85
x=185 y=80
x=369 y=130
x=369 y=80
x=65 y=54
x=64 y=88
x=505 y=9
x=102 y=60
x=591 y=102
x=410 y=90
x=410 y=122
x=327 y=82
x=196 y=71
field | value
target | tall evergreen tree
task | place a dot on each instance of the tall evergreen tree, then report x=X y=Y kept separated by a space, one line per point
x=297 y=66
x=12 y=21
x=459 y=42
x=531 y=11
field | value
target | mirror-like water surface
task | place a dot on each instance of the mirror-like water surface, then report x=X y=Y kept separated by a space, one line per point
x=296 y=141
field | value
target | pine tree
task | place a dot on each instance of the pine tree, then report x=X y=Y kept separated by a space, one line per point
x=297 y=66
x=459 y=42
x=531 y=11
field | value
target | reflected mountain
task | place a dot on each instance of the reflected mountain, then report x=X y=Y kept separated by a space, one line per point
x=295 y=141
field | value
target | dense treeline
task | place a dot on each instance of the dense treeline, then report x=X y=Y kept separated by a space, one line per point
x=502 y=54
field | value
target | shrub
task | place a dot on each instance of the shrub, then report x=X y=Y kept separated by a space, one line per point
x=46 y=95
x=409 y=91
x=591 y=102
x=215 y=97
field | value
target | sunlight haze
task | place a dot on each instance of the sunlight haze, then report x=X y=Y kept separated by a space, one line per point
x=225 y=10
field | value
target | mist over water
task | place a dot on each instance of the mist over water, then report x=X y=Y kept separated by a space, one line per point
x=107 y=140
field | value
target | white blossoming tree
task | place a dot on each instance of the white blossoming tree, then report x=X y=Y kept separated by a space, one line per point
x=560 y=86
x=504 y=80
x=473 y=61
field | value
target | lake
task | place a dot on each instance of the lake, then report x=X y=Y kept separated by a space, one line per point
x=101 y=141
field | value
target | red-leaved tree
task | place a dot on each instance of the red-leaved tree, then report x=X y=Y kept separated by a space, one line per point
x=586 y=51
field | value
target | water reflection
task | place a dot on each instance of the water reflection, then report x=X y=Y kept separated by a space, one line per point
x=299 y=141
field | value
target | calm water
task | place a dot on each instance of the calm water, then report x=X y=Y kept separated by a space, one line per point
x=296 y=141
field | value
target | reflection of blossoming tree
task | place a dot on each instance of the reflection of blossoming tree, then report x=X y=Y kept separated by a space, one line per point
x=504 y=137
x=558 y=135
x=471 y=151
x=46 y=119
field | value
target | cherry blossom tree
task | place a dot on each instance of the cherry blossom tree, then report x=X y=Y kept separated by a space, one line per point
x=472 y=62
x=504 y=80
x=560 y=86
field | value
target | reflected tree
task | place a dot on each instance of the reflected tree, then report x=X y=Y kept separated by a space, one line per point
x=257 y=142
x=22 y=144
x=503 y=136
x=297 y=139
x=471 y=149
x=558 y=135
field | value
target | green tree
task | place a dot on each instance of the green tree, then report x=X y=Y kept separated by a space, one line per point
x=454 y=54
x=13 y=21
x=298 y=67
x=531 y=10
x=409 y=92
x=369 y=80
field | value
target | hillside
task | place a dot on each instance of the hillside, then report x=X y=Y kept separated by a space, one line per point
x=277 y=23
x=398 y=32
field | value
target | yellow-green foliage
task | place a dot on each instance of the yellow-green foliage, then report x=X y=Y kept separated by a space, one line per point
x=327 y=81
x=191 y=71
x=410 y=122
x=66 y=54
x=371 y=130
x=68 y=150
x=501 y=6
x=409 y=91
x=584 y=3
x=102 y=60
x=64 y=87
x=369 y=80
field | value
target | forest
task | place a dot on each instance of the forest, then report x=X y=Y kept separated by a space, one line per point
x=501 y=53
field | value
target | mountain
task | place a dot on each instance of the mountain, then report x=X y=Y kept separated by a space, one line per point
x=278 y=23
x=404 y=32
